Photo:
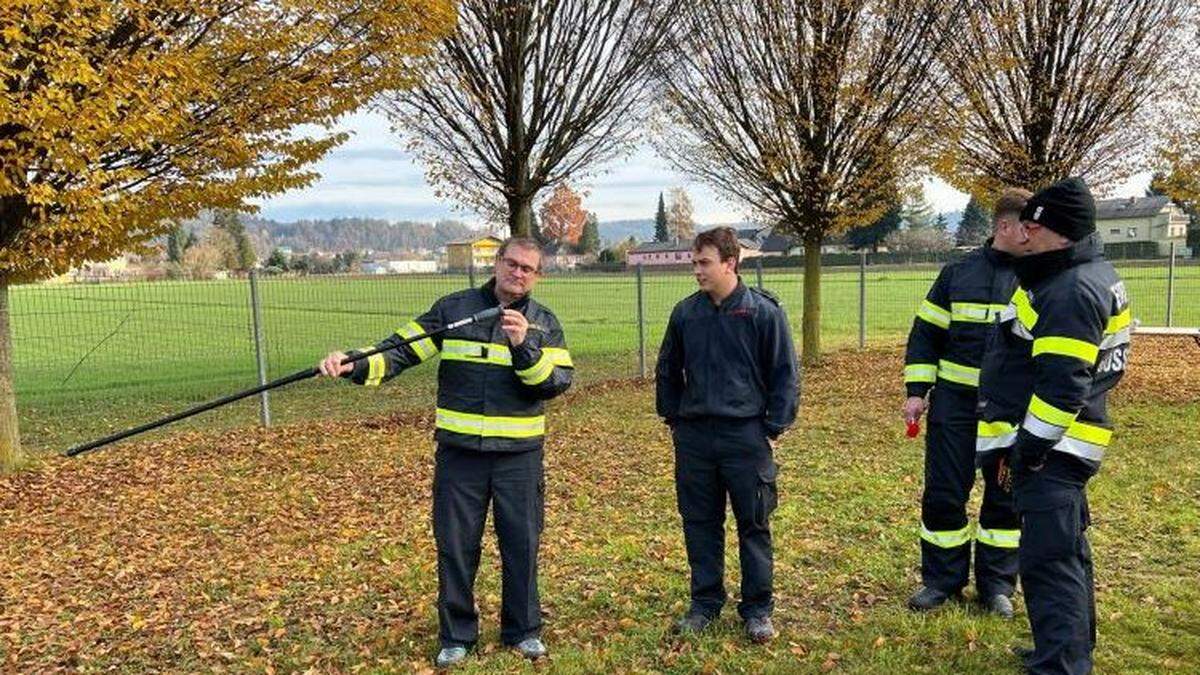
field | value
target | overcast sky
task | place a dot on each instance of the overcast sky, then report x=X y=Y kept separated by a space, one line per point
x=371 y=176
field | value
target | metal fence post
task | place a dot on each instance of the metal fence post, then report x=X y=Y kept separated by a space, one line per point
x=641 y=319
x=260 y=354
x=758 y=271
x=862 y=299
x=1171 y=287
x=471 y=273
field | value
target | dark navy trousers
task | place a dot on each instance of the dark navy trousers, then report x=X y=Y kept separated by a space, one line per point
x=949 y=476
x=717 y=458
x=1056 y=570
x=464 y=483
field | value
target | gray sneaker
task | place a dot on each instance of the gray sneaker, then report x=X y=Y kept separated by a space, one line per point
x=693 y=622
x=998 y=604
x=759 y=629
x=532 y=648
x=450 y=656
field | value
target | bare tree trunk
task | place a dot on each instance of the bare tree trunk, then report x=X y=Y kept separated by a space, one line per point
x=520 y=216
x=810 y=323
x=10 y=439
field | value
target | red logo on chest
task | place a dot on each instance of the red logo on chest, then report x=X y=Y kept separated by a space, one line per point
x=740 y=311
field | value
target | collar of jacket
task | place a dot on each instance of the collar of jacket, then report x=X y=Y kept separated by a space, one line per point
x=995 y=255
x=733 y=300
x=489 y=296
x=1031 y=269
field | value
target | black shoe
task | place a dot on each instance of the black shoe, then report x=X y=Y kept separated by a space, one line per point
x=1000 y=605
x=1022 y=652
x=759 y=629
x=927 y=599
x=693 y=622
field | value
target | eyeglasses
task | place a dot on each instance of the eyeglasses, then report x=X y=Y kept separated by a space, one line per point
x=513 y=266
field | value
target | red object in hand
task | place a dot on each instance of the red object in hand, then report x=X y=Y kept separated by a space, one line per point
x=914 y=428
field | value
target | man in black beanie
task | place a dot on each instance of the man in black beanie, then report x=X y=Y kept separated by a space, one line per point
x=1061 y=345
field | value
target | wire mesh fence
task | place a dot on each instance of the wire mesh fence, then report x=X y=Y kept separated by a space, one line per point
x=90 y=359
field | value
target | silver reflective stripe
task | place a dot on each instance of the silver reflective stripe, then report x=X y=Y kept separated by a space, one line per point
x=1074 y=446
x=1021 y=331
x=987 y=443
x=1008 y=313
x=1117 y=339
x=1036 y=426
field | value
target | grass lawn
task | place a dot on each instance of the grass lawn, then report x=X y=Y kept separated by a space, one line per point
x=309 y=545
x=93 y=359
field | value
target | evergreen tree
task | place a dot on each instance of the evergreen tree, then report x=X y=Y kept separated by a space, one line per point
x=874 y=234
x=178 y=242
x=589 y=241
x=975 y=226
x=244 y=257
x=661 y=231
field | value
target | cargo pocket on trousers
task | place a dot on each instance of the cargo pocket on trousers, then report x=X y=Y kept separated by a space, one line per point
x=768 y=494
x=1050 y=525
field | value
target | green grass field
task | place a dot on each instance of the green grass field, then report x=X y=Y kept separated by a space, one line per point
x=309 y=547
x=91 y=359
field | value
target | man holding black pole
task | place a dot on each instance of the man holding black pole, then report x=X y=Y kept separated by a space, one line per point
x=493 y=381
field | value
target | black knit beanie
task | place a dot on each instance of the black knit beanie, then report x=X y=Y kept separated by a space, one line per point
x=1066 y=207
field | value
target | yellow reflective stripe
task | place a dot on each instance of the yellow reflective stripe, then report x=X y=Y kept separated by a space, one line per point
x=946 y=538
x=538 y=372
x=490 y=426
x=1118 y=322
x=920 y=372
x=1025 y=311
x=994 y=436
x=998 y=538
x=476 y=352
x=934 y=314
x=994 y=429
x=376 y=369
x=1090 y=433
x=424 y=348
x=559 y=356
x=1048 y=413
x=958 y=373
x=974 y=312
x=1065 y=346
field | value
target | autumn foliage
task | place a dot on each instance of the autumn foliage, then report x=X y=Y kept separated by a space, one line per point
x=562 y=215
x=116 y=116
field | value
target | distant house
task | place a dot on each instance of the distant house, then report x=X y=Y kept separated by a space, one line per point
x=1155 y=220
x=480 y=252
x=558 y=256
x=677 y=252
x=399 y=266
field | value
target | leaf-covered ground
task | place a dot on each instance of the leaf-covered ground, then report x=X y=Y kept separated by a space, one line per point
x=310 y=547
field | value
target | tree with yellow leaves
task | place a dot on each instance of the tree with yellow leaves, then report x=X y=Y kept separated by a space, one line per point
x=119 y=117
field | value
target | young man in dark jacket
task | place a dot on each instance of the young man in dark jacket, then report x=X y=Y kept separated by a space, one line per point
x=728 y=386
x=1061 y=346
x=493 y=381
x=945 y=350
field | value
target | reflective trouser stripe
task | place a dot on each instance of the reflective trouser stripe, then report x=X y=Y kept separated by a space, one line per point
x=489 y=426
x=998 y=538
x=946 y=538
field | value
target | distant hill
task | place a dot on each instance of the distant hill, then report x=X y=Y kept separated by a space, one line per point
x=335 y=235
